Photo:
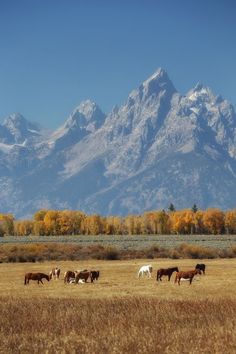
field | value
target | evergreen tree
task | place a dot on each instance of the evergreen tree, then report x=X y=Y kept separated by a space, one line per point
x=171 y=207
x=194 y=208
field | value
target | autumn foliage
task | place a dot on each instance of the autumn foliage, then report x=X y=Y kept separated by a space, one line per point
x=68 y=222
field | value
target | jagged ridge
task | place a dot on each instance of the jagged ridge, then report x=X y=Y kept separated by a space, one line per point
x=158 y=147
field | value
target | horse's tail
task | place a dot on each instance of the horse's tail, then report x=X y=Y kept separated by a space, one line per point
x=65 y=277
x=25 y=280
x=176 y=277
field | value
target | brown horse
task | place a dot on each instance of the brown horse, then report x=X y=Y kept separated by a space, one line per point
x=187 y=275
x=82 y=275
x=168 y=272
x=69 y=274
x=36 y=276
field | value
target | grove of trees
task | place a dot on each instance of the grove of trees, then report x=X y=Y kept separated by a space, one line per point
x=68 y=222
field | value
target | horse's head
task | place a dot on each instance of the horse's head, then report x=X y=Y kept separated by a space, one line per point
x=176 y=269
x=198 y=271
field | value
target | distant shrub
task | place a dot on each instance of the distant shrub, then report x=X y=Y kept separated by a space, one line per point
x=197 y=252
x=61 y=252
x=111 y=254
x=174 y=254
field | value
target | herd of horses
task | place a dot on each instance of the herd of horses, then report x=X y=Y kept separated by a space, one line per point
x=180 y=276
x=70 y=277
x=82 y=276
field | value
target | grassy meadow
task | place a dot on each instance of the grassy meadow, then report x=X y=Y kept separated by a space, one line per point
x=119 y=313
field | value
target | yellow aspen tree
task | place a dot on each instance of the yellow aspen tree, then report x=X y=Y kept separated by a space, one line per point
x=230 y=221
x=213 y=220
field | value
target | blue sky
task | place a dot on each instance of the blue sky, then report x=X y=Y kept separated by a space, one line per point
x=56 y=53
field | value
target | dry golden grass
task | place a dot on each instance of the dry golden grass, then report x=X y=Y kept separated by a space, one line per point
x=119 y=313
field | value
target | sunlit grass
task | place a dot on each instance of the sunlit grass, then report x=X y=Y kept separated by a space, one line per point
x=120 y=313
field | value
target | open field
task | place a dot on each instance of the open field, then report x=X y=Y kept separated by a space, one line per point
x=120 y=313
x=129 y=241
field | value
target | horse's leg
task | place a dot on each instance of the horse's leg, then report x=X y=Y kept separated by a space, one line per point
x=190 y=281
x=41 y=281
x=169 y=276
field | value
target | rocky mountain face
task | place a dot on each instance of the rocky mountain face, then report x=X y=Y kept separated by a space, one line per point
x=158 y=147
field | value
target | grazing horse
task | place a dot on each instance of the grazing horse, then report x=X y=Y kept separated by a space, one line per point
x=201 y=266
x=36 y=276
x=146 y=269
x=82 y=275
x=168 y=272
x=187 y=275
x=94 y=275
x=69 y=274
x=55 y=273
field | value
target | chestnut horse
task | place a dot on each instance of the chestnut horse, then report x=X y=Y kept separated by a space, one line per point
x=69 y=274
x=82 y=275
x=187 y=275
x=36 y=276
x=168 y=272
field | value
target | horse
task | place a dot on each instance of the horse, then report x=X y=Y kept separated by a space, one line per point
x=146 y=269
x=55 y=273
x=36 y=276
x=168 y=272
x=94 y=275
x=201 y=266
x=69 y=274
x=82 y=275
x=189 y=275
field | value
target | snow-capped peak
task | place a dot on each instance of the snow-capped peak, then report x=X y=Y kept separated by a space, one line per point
x=156 y=83
x=88 y=108
x=159 y=74
x=16 y=130
x=16 y=120
x=85 y=119
x=200 y=91
x=87 y=112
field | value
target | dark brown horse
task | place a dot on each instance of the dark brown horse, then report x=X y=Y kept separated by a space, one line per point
x=94 y=275
x=201 y=266
x=36 y=276
x=84 y=275
x=168 y=272
x=187 y=275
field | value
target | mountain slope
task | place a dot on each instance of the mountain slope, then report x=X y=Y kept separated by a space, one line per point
x=158 y=147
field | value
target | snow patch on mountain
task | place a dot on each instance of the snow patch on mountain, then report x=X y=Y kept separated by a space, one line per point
x=158 y=147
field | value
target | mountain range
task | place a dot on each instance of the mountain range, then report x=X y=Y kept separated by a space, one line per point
x=158 y=147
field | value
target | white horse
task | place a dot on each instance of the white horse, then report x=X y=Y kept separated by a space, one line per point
x=145 y=270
